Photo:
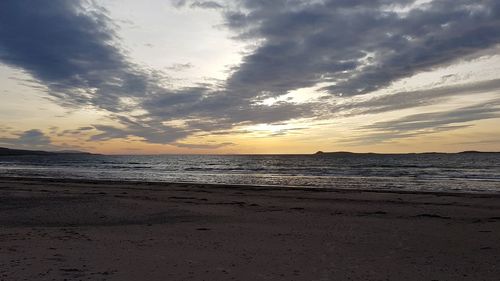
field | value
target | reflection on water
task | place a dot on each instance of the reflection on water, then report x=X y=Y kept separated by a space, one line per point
x=431 y=172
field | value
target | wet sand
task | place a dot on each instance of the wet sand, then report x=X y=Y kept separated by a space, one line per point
x=76 y=230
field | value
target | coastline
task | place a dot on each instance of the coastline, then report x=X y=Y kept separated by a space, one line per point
x=166 y=184
x=109 y=230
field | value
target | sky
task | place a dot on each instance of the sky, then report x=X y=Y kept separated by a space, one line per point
x=250 y=76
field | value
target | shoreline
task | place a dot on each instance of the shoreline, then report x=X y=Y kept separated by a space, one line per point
x=465 y=193
x=98 y=230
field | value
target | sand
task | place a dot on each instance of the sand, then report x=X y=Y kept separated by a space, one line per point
x=75 y=230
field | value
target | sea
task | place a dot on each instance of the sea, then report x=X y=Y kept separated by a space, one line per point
x=462 y=172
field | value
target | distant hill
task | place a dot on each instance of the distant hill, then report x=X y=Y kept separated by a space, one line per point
x=345 y=153
x=11 y=152
x=339 y=153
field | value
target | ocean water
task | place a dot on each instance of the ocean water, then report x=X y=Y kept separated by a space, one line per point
x=467 y=172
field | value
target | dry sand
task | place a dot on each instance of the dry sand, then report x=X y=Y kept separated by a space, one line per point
x=73 y=230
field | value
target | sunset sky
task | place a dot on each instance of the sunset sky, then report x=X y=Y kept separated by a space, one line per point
x=250 y=76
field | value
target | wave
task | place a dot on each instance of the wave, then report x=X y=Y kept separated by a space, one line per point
x=468 y=172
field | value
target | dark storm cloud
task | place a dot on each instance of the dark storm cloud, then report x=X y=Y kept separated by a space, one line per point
x=357 y=46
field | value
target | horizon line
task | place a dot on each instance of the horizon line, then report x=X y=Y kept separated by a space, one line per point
x=319 y=152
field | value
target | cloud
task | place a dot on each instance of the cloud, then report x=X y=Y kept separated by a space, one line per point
x=149 y=134
x=413 y=122
x=71 y=51
x=76 y=132
x=284 y=132
x=86 y=128
x=31 y=139
x=390 y=136
x=203 y=146
x=206 y=5
x=426 y=123
x=197 y=4
x=180 y=66
x=356 y=47
x=5 y=129
x=412 y=99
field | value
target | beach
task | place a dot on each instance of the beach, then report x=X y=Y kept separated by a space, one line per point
x=53 y=229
